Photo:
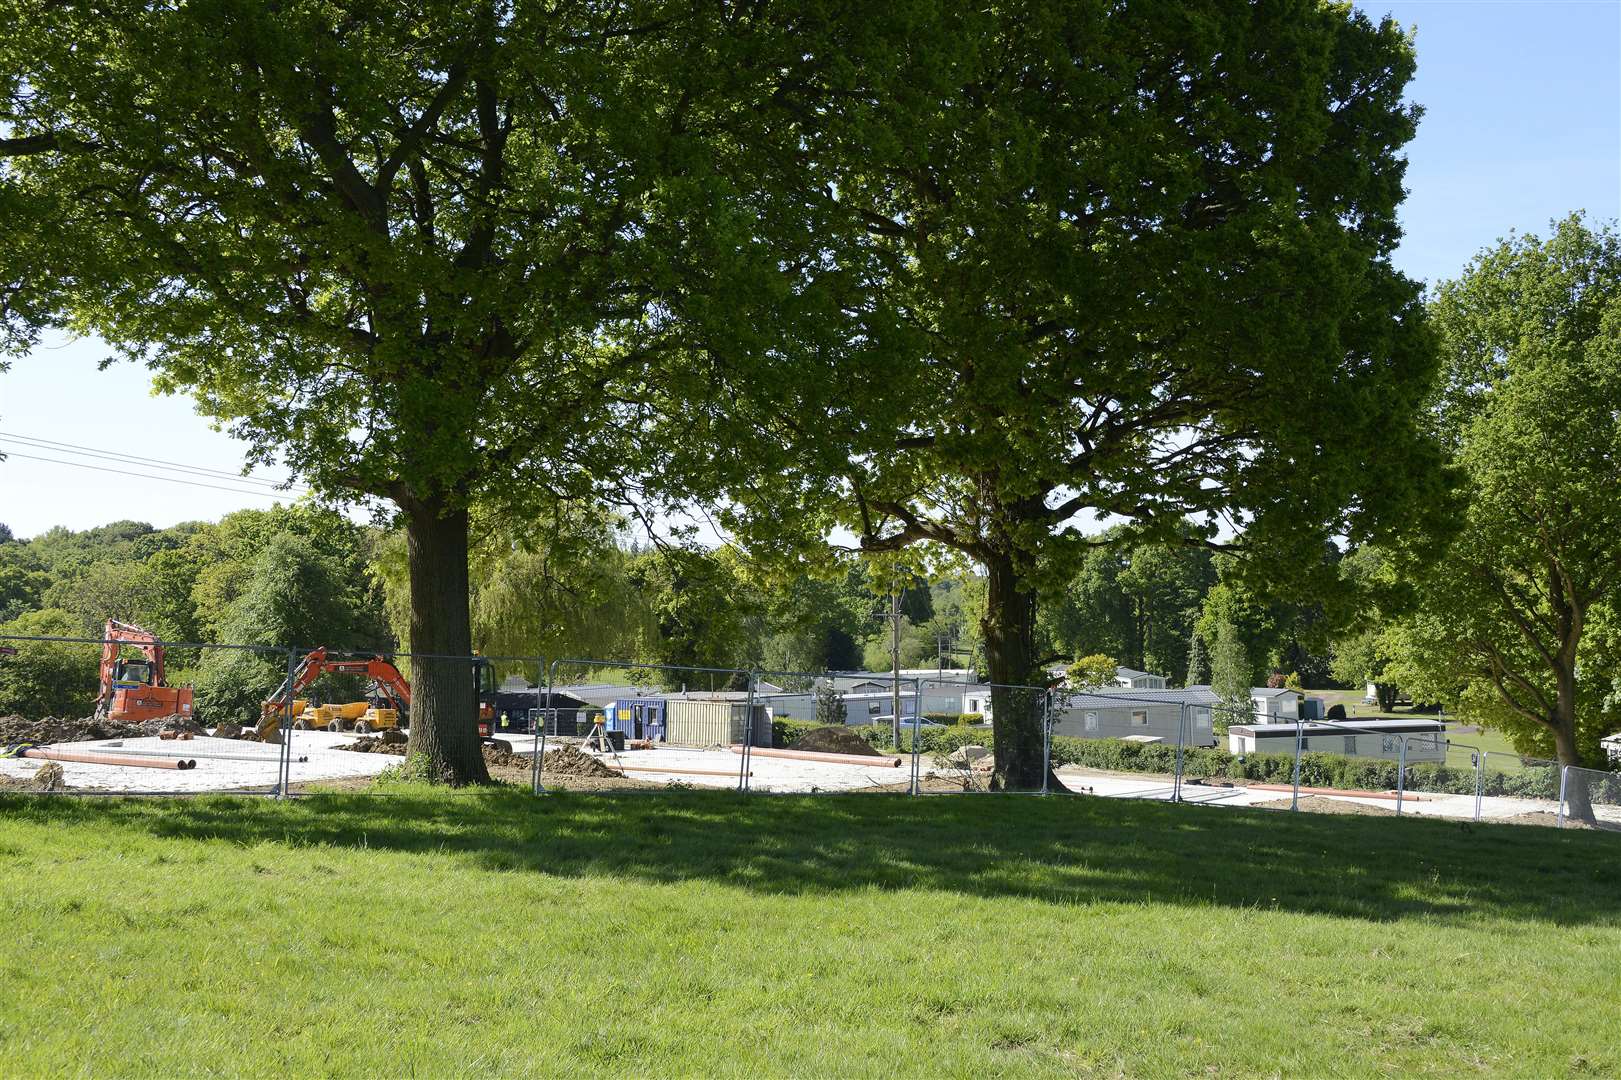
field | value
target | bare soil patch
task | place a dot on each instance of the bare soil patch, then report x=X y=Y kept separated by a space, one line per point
x=835 y=740
x=53 y=729
x=48 y=777
x=373 y=746
x=1319 y=804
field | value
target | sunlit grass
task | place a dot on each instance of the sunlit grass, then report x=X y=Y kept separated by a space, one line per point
x=705 y=933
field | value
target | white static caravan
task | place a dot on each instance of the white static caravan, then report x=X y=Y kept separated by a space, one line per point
x=1426 y=739
x=1144 y=716
x=1131 y=678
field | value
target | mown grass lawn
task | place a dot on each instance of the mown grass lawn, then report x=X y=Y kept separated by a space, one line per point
x=708 y=934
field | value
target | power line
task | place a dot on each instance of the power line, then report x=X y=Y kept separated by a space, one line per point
x=127 y=459
x=149 y=476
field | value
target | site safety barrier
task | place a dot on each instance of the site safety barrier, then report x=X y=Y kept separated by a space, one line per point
x=529 y=705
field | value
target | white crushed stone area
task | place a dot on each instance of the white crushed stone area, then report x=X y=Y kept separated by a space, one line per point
x=1418 y=803
x=768 y=773
x=212 y=773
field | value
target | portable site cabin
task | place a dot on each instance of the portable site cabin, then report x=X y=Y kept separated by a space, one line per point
x=1611 y=745
x=714 y=721
x=637 y=718
x=1426 y=739
x=1137 y=715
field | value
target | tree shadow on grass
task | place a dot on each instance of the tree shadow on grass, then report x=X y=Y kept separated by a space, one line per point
x=1061 y=850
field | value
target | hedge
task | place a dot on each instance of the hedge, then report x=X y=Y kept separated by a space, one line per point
x=1316 y=769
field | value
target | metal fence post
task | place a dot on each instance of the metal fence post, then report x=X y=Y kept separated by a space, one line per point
x=1176 y=778
x=748 y=735
x=1564 y=778
x=917 y=734
x=543 y=702
x=285 y=781
x=1300 y=739
x=1046 y=741
x=1480 y=779
x=1401 y=770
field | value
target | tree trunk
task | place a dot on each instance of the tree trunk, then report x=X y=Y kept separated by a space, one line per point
x=444 y=702
x=1385 y=695
x=1563 y=721
x=1009 y=627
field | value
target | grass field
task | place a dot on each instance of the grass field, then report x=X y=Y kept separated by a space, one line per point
x=709 y=934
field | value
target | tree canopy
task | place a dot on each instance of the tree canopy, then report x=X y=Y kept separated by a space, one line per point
x=1530 y=405
x=1096 y=262
x=409 y=250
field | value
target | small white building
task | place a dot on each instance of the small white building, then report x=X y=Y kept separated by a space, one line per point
x=1426 y=739
x=1274 y=704
x=1138 y=680
x=1611 y=745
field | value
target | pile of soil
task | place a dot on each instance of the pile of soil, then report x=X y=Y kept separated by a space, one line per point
x=48 y=777
x=501 y=756
x=570 y=761
x=51 y=729
x=834 y=740
x=1318 y=804
x=373 y=746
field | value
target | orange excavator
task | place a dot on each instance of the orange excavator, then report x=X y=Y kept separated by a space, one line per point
x=389 y=685
x=133 y=690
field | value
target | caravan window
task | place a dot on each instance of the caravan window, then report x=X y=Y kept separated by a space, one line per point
x=1201 y=719
x=1350 y=744
x=1139 y=718
x=1091 y=721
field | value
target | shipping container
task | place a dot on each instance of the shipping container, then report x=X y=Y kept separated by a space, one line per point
x=707 y=722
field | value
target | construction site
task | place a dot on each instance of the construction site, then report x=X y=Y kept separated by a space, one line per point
x=144 y=736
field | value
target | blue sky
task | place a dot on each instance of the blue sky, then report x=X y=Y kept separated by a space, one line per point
x=1522 y=124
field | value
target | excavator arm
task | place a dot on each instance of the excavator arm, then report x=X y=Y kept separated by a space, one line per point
x=389 y=681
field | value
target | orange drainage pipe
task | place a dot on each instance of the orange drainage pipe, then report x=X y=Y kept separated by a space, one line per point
x=1390 y=796
x=816 y=755
x=85 y=757
x=677 y=772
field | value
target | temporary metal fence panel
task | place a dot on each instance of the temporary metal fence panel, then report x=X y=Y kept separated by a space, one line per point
x=866 y=702
x=727 y=723
x=142 y=732
x=1589 y=798
x=970 y=775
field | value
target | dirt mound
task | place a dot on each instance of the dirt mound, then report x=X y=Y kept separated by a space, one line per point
x=1319 y=804
x=570 y=761
x=48 y=777
x=372 y=746
x=393 y=737
x=51 y=729
x=501 y=755
x=834 y=740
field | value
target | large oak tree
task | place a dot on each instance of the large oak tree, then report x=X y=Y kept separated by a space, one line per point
x=415 y=250
x=1095 y=262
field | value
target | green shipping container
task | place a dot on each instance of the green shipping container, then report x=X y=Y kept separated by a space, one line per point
x=705 y=722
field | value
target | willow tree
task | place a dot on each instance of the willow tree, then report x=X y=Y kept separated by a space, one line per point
x=411 y=250
x=1097 y=263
